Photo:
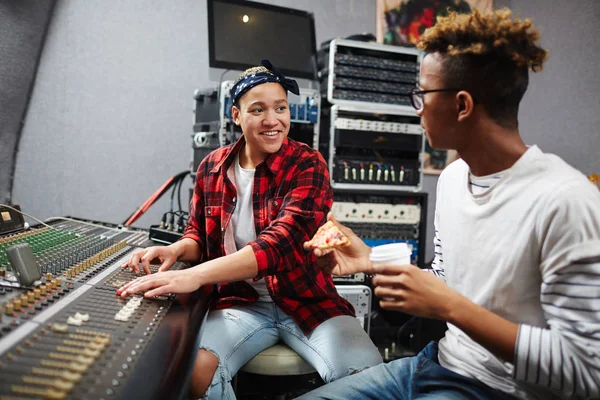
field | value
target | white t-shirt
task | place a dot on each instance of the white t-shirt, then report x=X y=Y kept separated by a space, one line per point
x=528 y=249
x=477 y=185
x=242 y=220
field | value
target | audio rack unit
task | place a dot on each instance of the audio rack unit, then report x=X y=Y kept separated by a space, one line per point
x=353 y=73
x=387 y=217
x=371 y=150
x=378 y=219
x=360 y=296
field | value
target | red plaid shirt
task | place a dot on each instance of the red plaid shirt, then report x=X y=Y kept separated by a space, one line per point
x=291 y=198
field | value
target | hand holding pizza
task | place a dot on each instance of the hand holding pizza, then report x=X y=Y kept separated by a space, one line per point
x=339 y=250
x=328 y=236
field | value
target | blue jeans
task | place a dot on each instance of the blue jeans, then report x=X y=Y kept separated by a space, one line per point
x=336 y=348
x=419 y=377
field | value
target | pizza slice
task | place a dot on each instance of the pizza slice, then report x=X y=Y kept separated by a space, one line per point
x=328 y=236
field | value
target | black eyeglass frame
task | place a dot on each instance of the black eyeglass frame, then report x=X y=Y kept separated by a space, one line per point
x=415 y=92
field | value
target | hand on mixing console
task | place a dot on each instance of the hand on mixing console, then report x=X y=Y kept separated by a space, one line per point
x=184 y=281
x=165 y=254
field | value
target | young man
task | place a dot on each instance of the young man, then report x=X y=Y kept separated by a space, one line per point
x=517 y=238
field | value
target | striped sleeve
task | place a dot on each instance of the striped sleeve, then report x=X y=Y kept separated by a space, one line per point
x=565 y=354
x=437 y=265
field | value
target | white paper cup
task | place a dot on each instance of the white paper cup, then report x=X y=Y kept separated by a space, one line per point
x=391 y=254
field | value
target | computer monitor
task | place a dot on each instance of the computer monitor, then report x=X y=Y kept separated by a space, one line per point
x=242 y=33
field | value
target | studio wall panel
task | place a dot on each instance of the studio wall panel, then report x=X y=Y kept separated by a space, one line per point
x=23 y=26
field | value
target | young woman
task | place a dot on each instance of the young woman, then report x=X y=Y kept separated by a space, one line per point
x=254 y=204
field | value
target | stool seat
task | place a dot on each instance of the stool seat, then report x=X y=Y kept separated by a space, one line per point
x=278 y=360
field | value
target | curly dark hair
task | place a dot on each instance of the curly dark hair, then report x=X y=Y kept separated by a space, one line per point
x=488 y=55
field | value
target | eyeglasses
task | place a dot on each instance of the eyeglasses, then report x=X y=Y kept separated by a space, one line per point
x=416 y=96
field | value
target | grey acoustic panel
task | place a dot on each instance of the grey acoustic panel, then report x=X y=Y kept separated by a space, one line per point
x=560 y=109
x=22 y=28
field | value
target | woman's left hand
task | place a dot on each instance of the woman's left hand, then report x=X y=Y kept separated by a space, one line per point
x=184 y=281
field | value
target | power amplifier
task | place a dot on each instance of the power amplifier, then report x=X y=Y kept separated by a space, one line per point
x=385 y=218
x=372 y=150
x=353 y=73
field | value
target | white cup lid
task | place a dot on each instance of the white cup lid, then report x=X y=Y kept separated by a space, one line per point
x=392 y=252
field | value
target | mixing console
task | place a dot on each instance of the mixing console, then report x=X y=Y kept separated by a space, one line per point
x=68 y=336
x=131 y=236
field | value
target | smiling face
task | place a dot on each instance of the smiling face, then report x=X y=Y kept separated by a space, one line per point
x=264 y=116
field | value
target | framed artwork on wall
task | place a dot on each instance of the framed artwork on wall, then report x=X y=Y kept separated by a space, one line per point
x=436 y=160
x=401 y=23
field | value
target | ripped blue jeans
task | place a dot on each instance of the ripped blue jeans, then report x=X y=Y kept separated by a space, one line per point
x=336 y=348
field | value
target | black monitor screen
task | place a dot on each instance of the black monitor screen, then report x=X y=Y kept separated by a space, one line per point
x=241 y=33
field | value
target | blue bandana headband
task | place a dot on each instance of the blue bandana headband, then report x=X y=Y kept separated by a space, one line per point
x=249 y=81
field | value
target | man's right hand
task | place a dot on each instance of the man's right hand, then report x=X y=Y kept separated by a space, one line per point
x=346 y=260
x=167 y=256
